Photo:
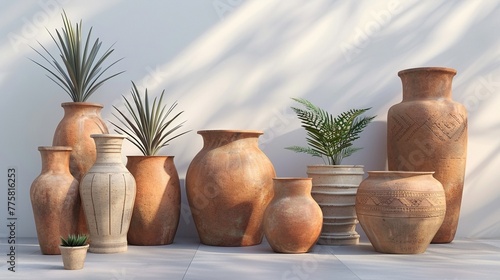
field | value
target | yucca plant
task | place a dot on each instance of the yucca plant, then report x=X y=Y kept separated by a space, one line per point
x=81 y=69
x=74 y=240
x=148 y=127
x=329 y=137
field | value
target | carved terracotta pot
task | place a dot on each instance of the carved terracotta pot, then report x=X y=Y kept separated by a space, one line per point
x=54 y=199
x=157 y=202
x=334 y=188
x=80 y=120
x=108 y=193
x=292 y=220
x=427 y=131
x=229 y=185
x=400 y=211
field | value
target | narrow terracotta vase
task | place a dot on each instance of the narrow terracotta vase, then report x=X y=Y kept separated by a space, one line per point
x=80 y=120
x=292 y=220
x=229 y=185
x=334 y=188
x=157 y=202
x=54 y=199
x=400 y=211
x=108 y=194
x=427 y=131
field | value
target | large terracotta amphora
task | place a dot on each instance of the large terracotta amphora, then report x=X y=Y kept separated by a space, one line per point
x=229 y=185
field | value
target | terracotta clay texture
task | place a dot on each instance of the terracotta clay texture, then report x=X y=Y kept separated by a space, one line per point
x=108 y=194
x=229 y=185
x=400 y=211
x=157 y=202
x=334 y=188
x=80 y=120
x=74 y=257
x=292 y=220
x=427 y=131
x=54 y=199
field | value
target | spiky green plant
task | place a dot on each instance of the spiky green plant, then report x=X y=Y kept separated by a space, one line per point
x=74 y=240
x=327 y=136
x=147 y=127
x=80 y=72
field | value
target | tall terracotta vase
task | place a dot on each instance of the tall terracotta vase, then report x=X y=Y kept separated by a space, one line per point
x=292 y=220
x=158 y=200
x=400 y=211
x=229 y=185
x=54 y=199
x=108 y=192
x=334 y=187
x=80 y=120
x=427 y=131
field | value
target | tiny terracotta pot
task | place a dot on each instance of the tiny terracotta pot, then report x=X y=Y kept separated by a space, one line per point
x=74 y=257
x=400 y=211
x=292 y=220
x=157 y=202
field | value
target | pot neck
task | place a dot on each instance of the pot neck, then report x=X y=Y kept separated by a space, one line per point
x=108 y=147
x=55 y=159
x=217 y=138
x=427 y=83
x=292 y=186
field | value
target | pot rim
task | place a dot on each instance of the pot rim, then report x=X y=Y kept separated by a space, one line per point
x=249 y=131
x=155 y=156
x=434 y=69
x=388 y=172
x=55 y=148
x=337 y=165
x=82 y=104
x=74 y=247
x=291 y=178
x=108 y=135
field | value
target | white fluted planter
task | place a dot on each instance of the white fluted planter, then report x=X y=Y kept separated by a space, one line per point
x=334 y=189
x=108 y=193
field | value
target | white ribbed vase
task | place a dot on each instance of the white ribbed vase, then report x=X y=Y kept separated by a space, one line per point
x=108 y=194
x=334 y=188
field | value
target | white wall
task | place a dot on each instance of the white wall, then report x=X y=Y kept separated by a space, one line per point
x=235 y=64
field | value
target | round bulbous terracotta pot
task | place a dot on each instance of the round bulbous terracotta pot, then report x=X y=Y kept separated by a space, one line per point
x=108 y=193
x=427 y=131
x=229 y=185
x=80 y=120
x=400 y=211
x=157 y=202
x=54 y=199
x=292 y=220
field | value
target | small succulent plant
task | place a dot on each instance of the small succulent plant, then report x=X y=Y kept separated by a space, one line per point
x=74 y=240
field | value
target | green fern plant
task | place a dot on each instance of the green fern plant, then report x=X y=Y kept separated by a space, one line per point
x=74 y=240
x=329 y=137
x=148 y=127
x=80 y=71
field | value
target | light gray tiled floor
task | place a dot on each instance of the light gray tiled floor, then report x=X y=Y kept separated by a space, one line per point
x=187 y=259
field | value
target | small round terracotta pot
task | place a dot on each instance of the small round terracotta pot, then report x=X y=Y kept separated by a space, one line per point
x=292 y=220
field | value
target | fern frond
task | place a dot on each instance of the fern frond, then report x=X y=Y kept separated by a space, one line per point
x=328 y=136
